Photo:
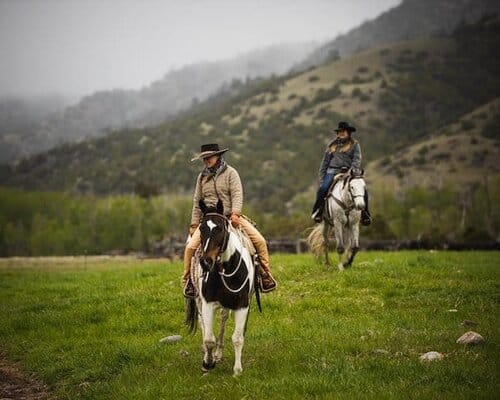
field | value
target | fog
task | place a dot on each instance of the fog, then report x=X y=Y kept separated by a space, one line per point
x=76 y=47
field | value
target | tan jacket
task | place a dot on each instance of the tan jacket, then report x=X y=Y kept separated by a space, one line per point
x=229 y=190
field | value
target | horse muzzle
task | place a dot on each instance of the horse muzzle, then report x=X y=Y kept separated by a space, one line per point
x=359 y=203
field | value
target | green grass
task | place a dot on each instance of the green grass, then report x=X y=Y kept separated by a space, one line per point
x=91 y=330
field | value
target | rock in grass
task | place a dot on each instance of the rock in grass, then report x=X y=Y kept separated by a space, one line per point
x=171 y=339
x=380 y=352
x=431 y=356
x=470 y=338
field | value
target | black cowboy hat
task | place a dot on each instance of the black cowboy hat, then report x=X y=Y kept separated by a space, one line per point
x=209 y=150
x=344 y=126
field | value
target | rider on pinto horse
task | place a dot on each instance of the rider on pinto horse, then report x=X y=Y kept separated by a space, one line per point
x=342 y=153
x=218 y=180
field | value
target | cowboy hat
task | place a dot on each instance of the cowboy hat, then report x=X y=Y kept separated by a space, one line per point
x=344 y=126
x=209 y=150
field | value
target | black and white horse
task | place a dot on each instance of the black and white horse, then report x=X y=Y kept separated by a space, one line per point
x=341 y=214
x=223 y=273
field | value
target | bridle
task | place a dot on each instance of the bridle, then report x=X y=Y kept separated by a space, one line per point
x=347 y=209
x=350 y=189
x=223 y=248
x=226 y=222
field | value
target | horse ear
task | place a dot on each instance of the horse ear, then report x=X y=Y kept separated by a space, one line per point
x=220 y=207
x=203 y=206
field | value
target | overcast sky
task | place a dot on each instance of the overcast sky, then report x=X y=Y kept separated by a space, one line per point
x=76 y=47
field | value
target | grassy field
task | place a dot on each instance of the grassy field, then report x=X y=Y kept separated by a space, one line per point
x=90 y=329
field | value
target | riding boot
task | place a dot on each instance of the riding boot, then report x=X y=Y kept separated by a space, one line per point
x=366 y=218
x=317 y=212
x=187 y=284
x=268 y=283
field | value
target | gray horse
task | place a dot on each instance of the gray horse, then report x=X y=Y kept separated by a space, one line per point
x=341 y=215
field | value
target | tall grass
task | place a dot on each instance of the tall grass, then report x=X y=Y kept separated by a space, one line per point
x=91 y=329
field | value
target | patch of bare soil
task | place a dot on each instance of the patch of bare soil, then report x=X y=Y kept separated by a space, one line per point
x=16 y=385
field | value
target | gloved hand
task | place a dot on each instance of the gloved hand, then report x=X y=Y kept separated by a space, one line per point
x=192 y=228
x=235 y=220
x=357 y=172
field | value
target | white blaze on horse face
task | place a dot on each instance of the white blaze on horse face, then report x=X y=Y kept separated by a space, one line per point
x=211 y=226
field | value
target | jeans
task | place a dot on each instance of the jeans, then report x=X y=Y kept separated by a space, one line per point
x=323 y=190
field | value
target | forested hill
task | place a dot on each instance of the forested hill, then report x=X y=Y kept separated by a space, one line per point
x=277 y=128
x=408 y=20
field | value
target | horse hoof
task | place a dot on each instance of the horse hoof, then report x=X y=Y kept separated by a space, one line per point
x=205 y=367
x=237 y=372
x=341 y=267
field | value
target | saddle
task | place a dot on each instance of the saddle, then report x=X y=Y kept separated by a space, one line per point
x=337 y=178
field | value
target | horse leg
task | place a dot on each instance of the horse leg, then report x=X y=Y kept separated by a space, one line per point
x=354 y=250
x=240 y=320
x=220 y=339
x=208 y=336
x=326 y=244
x=354 y=244
x=339 y=239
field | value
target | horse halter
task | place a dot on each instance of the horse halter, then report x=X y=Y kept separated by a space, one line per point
x=350 y=189
x=342 y=205
x=226 y=223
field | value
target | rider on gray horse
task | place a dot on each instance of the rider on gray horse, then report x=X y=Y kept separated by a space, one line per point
x=342 y=153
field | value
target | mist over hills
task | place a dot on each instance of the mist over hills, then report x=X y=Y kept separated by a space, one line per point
x=409 y=20
x=20 y=116
x=25 y=131
x=100 y=113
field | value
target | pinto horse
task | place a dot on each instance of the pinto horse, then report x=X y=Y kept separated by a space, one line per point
x=342 y=213
x=223 y=273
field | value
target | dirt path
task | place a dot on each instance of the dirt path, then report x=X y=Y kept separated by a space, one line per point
x=16 y=385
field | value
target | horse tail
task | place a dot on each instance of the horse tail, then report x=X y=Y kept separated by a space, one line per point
x=316 y=240
x=191 y=313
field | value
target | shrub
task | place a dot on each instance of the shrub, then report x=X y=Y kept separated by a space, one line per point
x=385 y=162
x=423 y=150
x=356 y=92
x=467 y=125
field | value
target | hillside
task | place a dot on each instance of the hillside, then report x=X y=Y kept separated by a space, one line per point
x=409 y=20
x=99 y=113
x=465 y=153
x=277 y=128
